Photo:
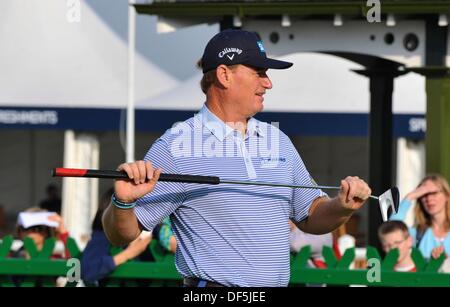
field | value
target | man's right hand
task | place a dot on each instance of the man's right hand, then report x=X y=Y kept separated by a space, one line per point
x=143 y=178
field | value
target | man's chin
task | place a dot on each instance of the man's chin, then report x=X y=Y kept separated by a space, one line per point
x=260 y=106
x=258 y=111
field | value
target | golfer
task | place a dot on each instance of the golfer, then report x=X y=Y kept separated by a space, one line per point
x=228 y=235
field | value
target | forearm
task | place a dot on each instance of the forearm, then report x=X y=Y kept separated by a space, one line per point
x=325 y=216
x=122 y=257
x=403 y=209
x=119 y=221
x=120 y=226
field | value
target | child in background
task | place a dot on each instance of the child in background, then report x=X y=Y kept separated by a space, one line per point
x=395 y=234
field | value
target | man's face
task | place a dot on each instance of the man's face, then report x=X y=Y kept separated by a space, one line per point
x=248 y=89
x=397 y=239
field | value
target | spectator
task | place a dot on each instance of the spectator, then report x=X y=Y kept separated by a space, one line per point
x=39 y=225
x=432 y=215
x=395 y=234
x=298 y=239
x=164 y=233
x=53 y=201
x=97 y=262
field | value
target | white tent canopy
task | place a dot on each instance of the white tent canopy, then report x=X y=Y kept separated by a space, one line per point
x=48 y=61
x=308 y=86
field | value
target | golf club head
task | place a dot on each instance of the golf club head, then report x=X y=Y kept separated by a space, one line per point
x=389 y=199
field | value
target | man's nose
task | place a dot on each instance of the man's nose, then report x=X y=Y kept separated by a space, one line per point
x=266 y=82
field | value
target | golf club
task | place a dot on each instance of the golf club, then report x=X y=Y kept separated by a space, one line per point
x=387 y=200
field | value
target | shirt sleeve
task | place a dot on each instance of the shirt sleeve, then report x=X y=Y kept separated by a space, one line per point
x=96 y=262
x=403 y=209
x=302 y=198
x=166 y=197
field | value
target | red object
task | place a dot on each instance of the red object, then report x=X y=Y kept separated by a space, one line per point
x=337 y=251
x=320 y=264
x=72 y=172
x=63 y=237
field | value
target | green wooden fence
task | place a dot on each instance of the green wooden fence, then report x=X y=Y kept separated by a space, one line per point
x=338 y=272
x=40 y=270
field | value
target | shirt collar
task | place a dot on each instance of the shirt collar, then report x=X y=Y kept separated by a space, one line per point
x=221 y=130
x=253 y=128
x=214 y=124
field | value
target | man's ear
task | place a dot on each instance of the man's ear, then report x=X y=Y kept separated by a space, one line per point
x=223 y=75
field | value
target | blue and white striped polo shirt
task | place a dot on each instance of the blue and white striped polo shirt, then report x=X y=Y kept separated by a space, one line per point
x=231 y=234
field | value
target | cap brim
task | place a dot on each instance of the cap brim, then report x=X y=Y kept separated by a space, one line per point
x=269 y=63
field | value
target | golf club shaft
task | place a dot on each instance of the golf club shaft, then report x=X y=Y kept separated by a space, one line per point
x=274 y=184
x=112 y=174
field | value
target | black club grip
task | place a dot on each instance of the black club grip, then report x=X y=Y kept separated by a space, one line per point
x=94 y=173
x=189 y=178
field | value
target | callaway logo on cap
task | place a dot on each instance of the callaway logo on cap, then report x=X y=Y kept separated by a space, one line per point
x=229 y=50
x=232 y=47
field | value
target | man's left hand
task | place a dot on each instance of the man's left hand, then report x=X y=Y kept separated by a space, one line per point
x=353 y=193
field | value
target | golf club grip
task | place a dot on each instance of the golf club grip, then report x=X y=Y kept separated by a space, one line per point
x=92 y=173
x=189 y=178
